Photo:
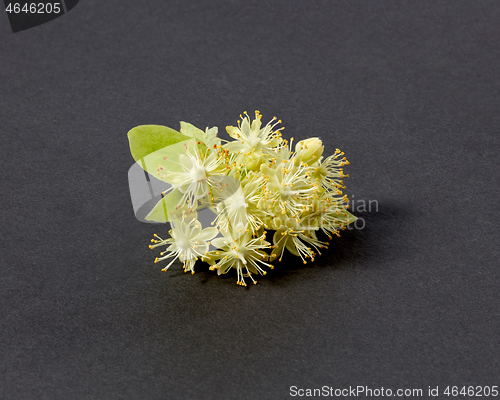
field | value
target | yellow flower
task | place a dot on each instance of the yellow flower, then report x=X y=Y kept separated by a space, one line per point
x=239 y=210
x=251 y=137
x=199 y=172
x=188 y=242
x=256 y=182
x=329 y=172
x=293 y=236
x=242 y=253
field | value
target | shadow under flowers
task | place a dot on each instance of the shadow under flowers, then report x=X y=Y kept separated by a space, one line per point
x=370 y=239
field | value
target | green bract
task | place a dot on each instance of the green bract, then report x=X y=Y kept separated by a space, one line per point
x=146 y=139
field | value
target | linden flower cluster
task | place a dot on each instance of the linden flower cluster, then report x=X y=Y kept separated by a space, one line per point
x=256 y=183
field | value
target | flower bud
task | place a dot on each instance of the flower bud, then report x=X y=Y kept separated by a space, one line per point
x=252 y=161
x=309 y=149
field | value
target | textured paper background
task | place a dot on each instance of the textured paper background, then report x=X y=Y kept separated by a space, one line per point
x=408 y=90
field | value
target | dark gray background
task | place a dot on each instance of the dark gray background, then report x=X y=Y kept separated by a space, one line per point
x=408 y=90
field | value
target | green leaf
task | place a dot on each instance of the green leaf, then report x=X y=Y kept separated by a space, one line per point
x=165 y=209
x=166 y=158
x=170 y=208
x=191 y=130
x=146 y=139
x=153 y=146
x=209 y=137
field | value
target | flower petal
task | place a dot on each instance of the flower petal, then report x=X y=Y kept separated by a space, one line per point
x=186 y=162
x=220 y=242
x=233 y=131
x=208 y=233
